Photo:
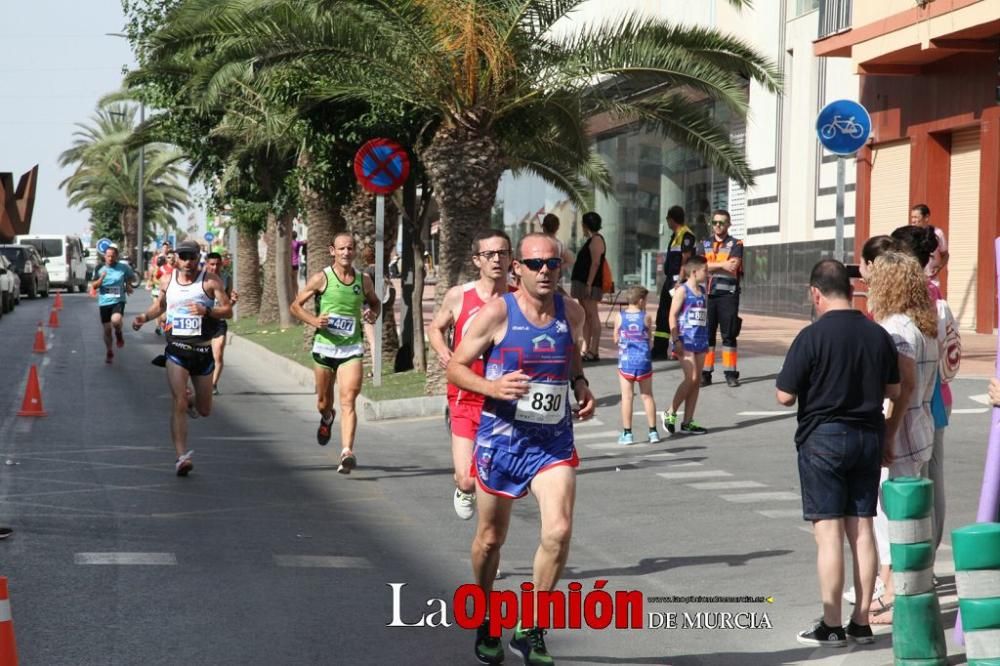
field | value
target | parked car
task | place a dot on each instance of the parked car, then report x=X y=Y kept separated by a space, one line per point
x=93 y=258
x=31 y=268
x=66 y=258
x=10 y=286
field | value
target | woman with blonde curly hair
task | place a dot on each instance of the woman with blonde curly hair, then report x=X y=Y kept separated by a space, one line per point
x=899 y=301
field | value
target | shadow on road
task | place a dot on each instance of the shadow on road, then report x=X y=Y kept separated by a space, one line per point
x=652 y=565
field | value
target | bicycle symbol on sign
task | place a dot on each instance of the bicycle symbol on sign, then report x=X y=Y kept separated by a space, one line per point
x=844 y=126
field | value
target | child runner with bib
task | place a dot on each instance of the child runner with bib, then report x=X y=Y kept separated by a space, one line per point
x=634 y=337
x=689 y=331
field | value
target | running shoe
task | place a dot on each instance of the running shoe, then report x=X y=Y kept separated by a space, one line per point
x=654 y=437
x=159 y=331
x=5 y=532
x=859 y=633
x=215 y=389
x=119 y=338
x=464 y=503
x=489 y=650
x=347 y=462
x=732 y=381
x=669 y=421
x=184 y=464
x=529 y=644
x=323 y=432
x=192 y=410
x=822 y=635
x=706 y=378
x=626 y=439
x=692 y=428
x=109 y=357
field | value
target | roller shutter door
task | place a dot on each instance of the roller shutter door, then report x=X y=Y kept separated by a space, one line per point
x=890 y=188
x=963 y=226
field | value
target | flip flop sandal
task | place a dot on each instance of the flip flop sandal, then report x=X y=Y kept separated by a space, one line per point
x=882 y=615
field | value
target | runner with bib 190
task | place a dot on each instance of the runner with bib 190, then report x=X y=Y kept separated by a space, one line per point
x=339 y=292
x=194 y=303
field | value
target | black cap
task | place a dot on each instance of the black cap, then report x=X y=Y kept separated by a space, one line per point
x=188 y=246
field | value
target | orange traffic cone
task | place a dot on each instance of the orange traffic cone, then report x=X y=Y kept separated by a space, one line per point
x=8 y=650
x=54 y=318
x=40 y=347
x=32 y=405
x=57 y=304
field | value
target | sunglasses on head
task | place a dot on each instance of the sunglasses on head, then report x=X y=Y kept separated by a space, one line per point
x=187 y=256
x=535 y=265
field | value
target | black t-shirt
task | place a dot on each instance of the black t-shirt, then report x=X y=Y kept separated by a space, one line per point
x=839 y=367
x=675 y=254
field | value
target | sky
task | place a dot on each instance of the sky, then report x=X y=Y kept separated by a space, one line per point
x=56 y=61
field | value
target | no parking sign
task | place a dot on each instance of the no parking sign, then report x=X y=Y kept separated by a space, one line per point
x=381 y=166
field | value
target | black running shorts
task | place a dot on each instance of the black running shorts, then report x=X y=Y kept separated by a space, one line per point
x=198 y=361
x=108 y=310
x=330 y=363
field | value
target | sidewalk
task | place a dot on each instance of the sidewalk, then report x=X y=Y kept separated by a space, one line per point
x=771 y=336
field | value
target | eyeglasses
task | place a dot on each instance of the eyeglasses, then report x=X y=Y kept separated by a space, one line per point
x=490 y=255
x=535 y=265
x=186 y=256
x=720 y=223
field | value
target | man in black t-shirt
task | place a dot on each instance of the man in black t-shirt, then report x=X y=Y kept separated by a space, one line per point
x=840 y=369
x=679 y=250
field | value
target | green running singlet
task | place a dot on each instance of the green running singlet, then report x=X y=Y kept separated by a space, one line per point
x=342 y=337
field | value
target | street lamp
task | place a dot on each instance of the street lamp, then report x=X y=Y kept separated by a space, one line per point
x=141 y=260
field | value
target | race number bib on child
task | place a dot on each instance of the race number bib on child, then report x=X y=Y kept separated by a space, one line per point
x=543 y=403
x=341 y=326
x=185 y=326
x=698 y=316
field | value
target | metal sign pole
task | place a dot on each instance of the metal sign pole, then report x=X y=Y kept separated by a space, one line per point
x=379 y=287
x=838 y=247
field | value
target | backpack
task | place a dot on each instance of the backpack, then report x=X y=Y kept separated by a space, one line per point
x=949 y=342
x=607 y=282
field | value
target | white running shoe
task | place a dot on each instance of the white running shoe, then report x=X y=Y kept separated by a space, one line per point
x=465 y=504
x=184 y=465
x=851 y=597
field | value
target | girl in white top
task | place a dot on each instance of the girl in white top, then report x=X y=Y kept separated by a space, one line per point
x=900 y=302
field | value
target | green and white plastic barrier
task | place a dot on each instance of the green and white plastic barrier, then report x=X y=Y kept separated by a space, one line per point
x=917 y=634
x=977 y=577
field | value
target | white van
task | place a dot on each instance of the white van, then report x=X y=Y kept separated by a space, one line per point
x=65 y=258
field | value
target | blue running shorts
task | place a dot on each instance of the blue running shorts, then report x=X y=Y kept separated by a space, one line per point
x=500 y=472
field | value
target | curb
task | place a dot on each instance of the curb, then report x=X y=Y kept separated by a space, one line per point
x=368 y=410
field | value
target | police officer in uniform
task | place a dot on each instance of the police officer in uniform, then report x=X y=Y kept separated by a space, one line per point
x=679 y=250
x=725 y=263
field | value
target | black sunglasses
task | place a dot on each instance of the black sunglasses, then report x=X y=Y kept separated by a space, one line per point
x=535 y=265
x=187 y=256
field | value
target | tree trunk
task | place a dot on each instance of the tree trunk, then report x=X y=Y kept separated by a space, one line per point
x=130 y=228
x=269 y=296
x=248 y=265
x=283 y=268
x=464 y=170
x=323 y=221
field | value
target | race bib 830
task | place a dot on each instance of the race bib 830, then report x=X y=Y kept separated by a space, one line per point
x=543 y=403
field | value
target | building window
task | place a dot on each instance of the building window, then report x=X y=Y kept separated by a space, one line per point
x=805 y=6
x=834 y=17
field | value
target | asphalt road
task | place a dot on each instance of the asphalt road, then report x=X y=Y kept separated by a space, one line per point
x=265 y=555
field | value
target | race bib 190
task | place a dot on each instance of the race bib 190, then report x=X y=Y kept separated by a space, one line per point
x=341 y=326
x=543 y=403
x=185 y=326
x=698 y=316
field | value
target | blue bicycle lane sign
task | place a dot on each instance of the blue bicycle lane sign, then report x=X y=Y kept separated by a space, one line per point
x=843 y=126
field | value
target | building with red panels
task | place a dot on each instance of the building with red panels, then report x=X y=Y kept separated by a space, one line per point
x=930 y=77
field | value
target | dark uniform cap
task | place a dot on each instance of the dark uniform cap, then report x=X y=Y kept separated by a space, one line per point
x=188 y=246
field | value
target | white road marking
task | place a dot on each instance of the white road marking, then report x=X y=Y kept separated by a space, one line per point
x=772 y=413
x=159 y=559
x=589 y=423
x=661 y=455
x=726 y=485
x=686 y=464
x=616 y=445
x=781 y=513
x=972 y=410
x=746 y=498
x=604 y=434
x=699 y=474
x=982 y=399
x=322 y=561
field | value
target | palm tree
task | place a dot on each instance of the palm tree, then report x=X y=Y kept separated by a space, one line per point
x=504 y=88
x=107 y=171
